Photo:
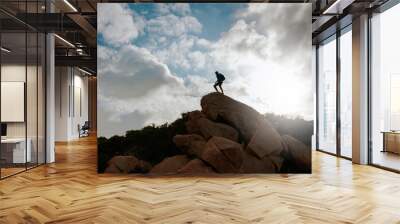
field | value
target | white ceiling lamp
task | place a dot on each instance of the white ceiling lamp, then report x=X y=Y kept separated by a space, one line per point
x=70 y=5
x=84 y=71
x=5 y=50
x=65 y=41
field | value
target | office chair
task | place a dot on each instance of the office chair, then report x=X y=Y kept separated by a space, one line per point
x=84 y=130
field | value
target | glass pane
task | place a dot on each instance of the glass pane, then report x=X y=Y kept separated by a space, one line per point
x=327 y=96
x=314 y=74
x=41 y=98
x=346 y=94
x=31 y=98
x=13 y=86
x=386 y=89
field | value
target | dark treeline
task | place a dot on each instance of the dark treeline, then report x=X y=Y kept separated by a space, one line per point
x=295 y=127
x=151 y=143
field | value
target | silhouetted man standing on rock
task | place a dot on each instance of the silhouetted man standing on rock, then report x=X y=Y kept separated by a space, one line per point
x=220 y=80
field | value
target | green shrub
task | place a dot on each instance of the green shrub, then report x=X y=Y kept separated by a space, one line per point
x=295 y=127
x=151 y=143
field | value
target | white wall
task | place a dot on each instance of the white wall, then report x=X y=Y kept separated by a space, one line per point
x=70 y=83
x=81 y=109
x=62 y=81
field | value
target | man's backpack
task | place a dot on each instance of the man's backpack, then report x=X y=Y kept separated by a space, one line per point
x=221 y=77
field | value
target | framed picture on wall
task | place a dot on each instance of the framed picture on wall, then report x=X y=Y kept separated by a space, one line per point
x=204 y=88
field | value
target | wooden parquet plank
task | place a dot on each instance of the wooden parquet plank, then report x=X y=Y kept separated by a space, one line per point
x=70 y=191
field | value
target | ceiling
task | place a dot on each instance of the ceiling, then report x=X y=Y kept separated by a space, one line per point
x=76 y=21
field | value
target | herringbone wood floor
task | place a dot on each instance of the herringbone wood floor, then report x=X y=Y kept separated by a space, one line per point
x=70 y=191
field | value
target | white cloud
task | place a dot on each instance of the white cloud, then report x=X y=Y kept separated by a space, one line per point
x=288 y=26
x=176 y=52
x=118 y=24
x=173 y=25
x=241 y=45
x=176 y=8
x=186 y=52
x=197 y=59
x=132 y=72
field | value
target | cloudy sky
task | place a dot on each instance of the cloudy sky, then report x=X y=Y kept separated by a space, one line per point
x=155 y=61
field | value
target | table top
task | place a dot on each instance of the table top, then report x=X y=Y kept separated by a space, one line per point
x=13 y=140
x=390 y=132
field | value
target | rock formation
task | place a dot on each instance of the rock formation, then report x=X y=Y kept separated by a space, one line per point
x=127 y=164
x=170 y=164
x=195 y=166
x=198 y=124
x=298 y=154
x=227 y=136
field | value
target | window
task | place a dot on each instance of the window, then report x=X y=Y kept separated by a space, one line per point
x=22 y=88
x=346 y=93
x=327 y=96
x=385 y=89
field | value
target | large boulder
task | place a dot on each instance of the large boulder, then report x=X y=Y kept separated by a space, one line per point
x=217 y=106
x=221 y=153
x=231 y=150
x=198 y=124
x=253 y=164
x=191 y=144
x=127 y=164
x=262 y=138
x=297 y=154
x=194 y=115
x=224 y=155
x=170 y=164
x=266 y=141
x=196 y=166
x=112 y=168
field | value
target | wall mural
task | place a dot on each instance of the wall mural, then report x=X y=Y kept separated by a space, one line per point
x=204 y=88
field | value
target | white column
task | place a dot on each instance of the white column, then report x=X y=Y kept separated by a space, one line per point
x=360 y=90
x=50 y=99
x=50 y=92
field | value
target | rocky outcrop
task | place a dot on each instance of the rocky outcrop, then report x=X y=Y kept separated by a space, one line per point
x=227 y=136
x=190 y=144
x=266 y=141
x=252 y=164
x=219 y=107
x=263 y=140
x=232 y=151
x=297 y=153
x=170 y=164
x=127 y=164
x=198 y=124
x=224 y=155
x=216 y=158
x=196 y=166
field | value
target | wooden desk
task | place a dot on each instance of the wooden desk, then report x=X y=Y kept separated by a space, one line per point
x=391 y=141
x=13 y=150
